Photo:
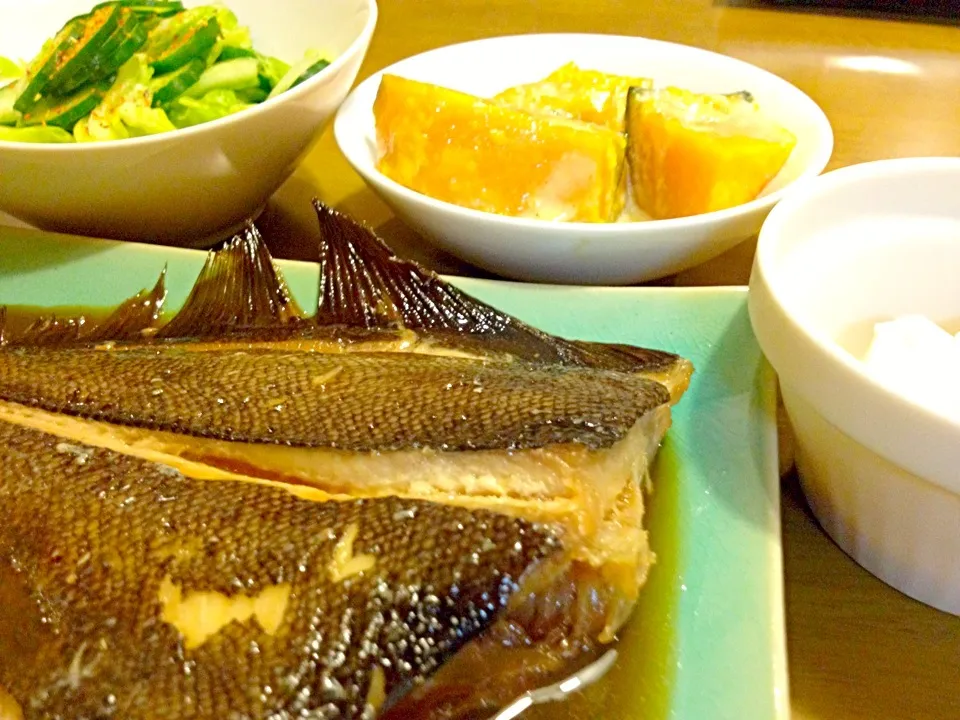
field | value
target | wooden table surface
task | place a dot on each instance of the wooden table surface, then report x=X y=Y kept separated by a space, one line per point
x=858 y=649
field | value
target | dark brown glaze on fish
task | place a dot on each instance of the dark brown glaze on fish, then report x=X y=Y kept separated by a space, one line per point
x=245 y=387
x=355 y=401
x=91 y=540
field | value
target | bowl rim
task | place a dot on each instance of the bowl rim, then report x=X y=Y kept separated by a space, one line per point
x=808 y=337
x=820 y=157
x=356 y=46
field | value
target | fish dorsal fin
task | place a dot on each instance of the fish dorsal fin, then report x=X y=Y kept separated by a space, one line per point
x=238 y=287
x=134 y=318
x=48 y=329
x=362 y=283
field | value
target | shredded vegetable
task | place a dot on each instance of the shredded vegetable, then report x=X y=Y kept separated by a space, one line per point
x=130 y=68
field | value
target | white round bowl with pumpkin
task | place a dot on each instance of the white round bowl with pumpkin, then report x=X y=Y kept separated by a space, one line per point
x=584 y=252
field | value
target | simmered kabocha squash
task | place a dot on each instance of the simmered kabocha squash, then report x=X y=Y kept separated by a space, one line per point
x=480 y=154
x=691 y=153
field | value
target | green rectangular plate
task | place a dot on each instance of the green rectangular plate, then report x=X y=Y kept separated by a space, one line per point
x=708 y=639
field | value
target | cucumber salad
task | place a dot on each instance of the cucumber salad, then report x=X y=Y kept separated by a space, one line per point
x=137 y=67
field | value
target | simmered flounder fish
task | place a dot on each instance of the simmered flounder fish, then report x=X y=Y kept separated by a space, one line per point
x=131 y=591
x=402 y=407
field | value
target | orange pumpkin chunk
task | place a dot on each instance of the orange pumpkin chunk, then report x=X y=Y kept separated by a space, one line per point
x=692 y=154
x=569 y=91
x=483 y=155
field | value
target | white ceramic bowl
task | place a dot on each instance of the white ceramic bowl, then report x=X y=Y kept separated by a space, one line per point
x=855 y=247
x=589 y=253
x=184 y=187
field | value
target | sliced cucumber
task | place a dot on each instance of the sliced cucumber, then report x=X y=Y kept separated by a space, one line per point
x=65 y=112
x=311 y=71
x=150 y=21
x=170 y=86
x=231 y=52
x=77 y=18
x=181 y=38
x=252 y=96
x=96 y=29
x=266 y=84
x=129 y=36
x=8 y=95
x=42 y=67
x=67 y=80
x=157 y=8
x=238 y=74
x=296 y=73
x=114 y=56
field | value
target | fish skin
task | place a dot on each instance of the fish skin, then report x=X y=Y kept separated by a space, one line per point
x=84 y=546
x=354 y=401
x=367 y=296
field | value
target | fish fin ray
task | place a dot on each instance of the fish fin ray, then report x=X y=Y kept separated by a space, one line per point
x=239 y=287
x=130 y=320
x=50 y=330
x=364 y=284
x=134 y=317
x=617 y=356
